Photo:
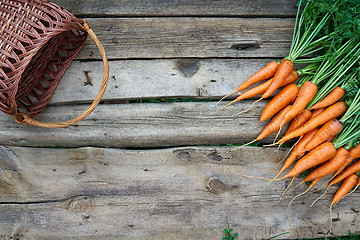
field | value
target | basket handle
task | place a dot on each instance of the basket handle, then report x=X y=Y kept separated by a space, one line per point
x=22 y=118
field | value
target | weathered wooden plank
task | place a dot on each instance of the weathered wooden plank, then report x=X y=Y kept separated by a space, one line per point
x=161 y=78
x=174 y=193
x=180 y=8
x=141 y=125
x=190 y=37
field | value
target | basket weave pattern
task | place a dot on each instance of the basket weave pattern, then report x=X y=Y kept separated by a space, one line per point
x=38 y=41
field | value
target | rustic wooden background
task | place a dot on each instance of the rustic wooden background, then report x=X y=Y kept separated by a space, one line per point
x=136 y=169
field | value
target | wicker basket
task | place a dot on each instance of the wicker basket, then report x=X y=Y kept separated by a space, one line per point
x=38 y=41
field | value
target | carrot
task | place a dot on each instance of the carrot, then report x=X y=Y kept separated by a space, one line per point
x=271 y=127
x=334 y=96
x=343 y=190
x=347 y=162
x=317 y=156
x=331 y=139
x=274 y=124
x=357 y=185
x=260 y=89
x=282 y=99
x=347 y=172
x=331 y=128
x=299 y=120
x=354 y=153
x=306 y=93
x=266 y=72
x=298 y=150
x=251 y=92
x=284 y=69
x=316 y=112
x=330 y=166
x=293 y=76
x=345 y=187
x=331 y=112
x=315 y=181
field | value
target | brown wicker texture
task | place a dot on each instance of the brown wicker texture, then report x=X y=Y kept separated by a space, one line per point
x=38 y=41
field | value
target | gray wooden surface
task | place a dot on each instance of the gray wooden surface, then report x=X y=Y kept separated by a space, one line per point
x=141 y=125
x=172 y=193
x=257 y=8
x=175 y=78
x=187 y=37
x=136 y=169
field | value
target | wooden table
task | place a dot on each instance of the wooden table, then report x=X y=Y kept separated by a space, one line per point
x=143 y=169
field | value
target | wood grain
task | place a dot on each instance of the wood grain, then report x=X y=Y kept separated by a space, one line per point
x=117 y=8
x=156 y=79
x=164 y=183
x=150 y=38
x=141 y=125
x=174 y=193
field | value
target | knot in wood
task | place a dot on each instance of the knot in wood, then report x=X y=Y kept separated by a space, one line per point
x=217 y=186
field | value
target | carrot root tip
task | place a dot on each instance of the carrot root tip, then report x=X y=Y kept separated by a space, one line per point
x=288 y=208
x=227 y=105
x=277 y=135
x=319 y=197
x=249 y=108
x=244 y=145
x=226 y=96
x=271 y=145
x=286 y=189
x=267 y=179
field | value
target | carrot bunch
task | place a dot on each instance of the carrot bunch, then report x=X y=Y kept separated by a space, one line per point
x=323 y=107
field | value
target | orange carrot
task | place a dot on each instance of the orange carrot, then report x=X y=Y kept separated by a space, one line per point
x=298 y=150
x=331 y=139
x=299 y=120
x=331 y=112
x=260 y=89
x=345 y=187
x=266 y=72
x=330 y=166
x=334 y=96
x=347 y=172
x=293 y=76
x=317 y=156
x=284 y=69
x=347 y=162
x=271 y=127
x=354 y=153
x=306 y=93
x=274 y=124
x=315 y=181
x=331 y=128
x=316 y=112
x=282 y=99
